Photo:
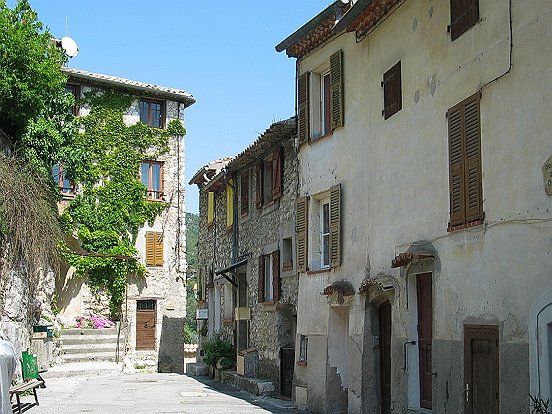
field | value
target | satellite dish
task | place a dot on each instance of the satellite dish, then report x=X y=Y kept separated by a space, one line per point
x=70 y=46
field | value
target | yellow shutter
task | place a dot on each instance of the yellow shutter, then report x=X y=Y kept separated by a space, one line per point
x=159 y=249
x=229 y=204
x=210 y=207
x=154 y=248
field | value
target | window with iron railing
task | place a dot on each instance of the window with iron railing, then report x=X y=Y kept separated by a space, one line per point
x=152 y=177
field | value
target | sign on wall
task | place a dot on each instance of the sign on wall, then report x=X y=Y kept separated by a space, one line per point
x=202 y=314
x=547 y=175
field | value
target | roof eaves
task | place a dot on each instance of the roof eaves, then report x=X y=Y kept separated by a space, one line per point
x=174 y=94
x=306 y=28
x=351 y=15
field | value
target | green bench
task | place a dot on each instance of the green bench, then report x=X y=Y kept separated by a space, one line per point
x=31 y=379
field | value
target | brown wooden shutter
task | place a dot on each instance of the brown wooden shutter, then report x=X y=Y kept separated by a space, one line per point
x=301 y=233
x=259 y=185
x=276 y=275
x=335 y=226
x=244 y=193
x=303 y=108
x=276 y=174
x=392 y=93
x=150 y=248
x=336 y=79
x=463 y=15
x=159 y=250
x=466 y=193
x=260 y=285
x=456 y=166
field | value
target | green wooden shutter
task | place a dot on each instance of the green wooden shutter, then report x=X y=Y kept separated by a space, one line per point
x=456 y=166
x=335 y=226
x=276 y=275
x=472 y=171
x=301 y=233
x=260 y=285
x=336 y=80
x=303 y=108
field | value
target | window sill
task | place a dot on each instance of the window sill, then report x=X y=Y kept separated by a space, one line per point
x=65 y=196
x=302 y=363
x=315 y=272
x=287 y=267
x=269 y=306
x=452 y=229
x=156 y=200
x=228 y=321
x=320 y=138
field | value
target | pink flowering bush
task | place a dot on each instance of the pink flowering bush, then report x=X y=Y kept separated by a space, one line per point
x=93 y=321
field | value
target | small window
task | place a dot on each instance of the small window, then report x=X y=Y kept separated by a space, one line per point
x=152 y=113
x=145 y=305
x=463 y=15
x=66 y=188
x=210 y=207
x=154 y=248
x=325 y=105
x=392 y=95
x=228 y=302
x=244 y=193
x=269 y=277
x=152 y=178
x=74 y=90
x=303 y=348
x=268 y=290
x=287 y=254
x=325 y=233
x=269 y=179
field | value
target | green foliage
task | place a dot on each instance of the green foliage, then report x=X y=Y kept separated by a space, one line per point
x=217 y=349
x=108 y=212
x=35 y=111
x=190 y=336
x=192 y=231
x=539 y=406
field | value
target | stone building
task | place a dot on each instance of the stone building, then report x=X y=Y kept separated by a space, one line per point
x=427 y=126
x=248 y=271
x=155 y=306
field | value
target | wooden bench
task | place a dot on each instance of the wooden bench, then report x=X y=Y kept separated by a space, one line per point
x=31 y=379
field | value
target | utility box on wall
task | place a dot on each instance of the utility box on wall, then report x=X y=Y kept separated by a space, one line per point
x=247 y=362
x=242 y=314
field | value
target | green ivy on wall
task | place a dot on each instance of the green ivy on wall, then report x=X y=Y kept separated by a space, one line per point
x=111 y=205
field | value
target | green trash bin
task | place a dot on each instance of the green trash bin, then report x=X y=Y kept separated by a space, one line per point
x=30 y=366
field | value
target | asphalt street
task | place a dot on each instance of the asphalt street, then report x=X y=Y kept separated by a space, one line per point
x=147 y=393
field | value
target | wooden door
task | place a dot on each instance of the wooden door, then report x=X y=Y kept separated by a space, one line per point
x=425 y=336
x=385 y=356
x=481 y=369
x=145 y=324
x=287 y=366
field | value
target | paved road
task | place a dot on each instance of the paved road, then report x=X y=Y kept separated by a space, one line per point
x=147 y=393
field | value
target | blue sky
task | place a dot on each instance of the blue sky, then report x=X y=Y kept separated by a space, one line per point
x=222 y=52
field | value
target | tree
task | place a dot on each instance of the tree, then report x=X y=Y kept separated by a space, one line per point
x=35 y=111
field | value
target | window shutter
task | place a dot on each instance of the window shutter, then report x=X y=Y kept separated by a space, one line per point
x=150 y=248
x=456 y=166
x=303 y=108
x=463 y=15
x=276 y=174
x=276 y=274
x=260 y=285
x=335 y=226
x=229 y=204
x=336 y=79
x=159 y=249
x=210 y=207
x=244 y=193
x=472 y=171
x=259 y=185
x=392 y=94
x=301 y=233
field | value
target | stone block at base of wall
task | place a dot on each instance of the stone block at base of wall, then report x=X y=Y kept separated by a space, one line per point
x=253 y=386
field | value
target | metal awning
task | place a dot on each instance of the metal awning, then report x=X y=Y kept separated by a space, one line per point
x=404 y=258
x=224 y=272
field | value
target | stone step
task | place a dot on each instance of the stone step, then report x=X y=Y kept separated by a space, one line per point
x=197 y=369
x=253 y=386
x=91 y=356
x=89 y=339
x=89 y=348
x=88 y=332
x=83 y=369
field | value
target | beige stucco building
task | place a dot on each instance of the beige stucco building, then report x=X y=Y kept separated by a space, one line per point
x=432 y=121
x=155 y=306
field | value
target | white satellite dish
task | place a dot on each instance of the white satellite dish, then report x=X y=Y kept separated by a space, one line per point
x=70 y=46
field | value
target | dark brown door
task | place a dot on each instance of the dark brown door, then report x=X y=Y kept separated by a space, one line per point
x=287 y=366
x=481 y=369
x=385 y=356
x=145 y=324
x=425 y=336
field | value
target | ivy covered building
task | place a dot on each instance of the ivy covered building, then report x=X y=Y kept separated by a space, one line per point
x=125 y=199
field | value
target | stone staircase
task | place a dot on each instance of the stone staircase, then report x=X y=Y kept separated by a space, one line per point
x=82 y=345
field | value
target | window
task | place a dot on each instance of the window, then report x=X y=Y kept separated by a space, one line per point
x=320 y=100
x=154 y=248
x=244 y=193
x=465 y=187
x=210 y=207
x=74 y=90
x=152 y=113
x=228 y=309
x=269 y=277
x=324 y=251
x=303 y=348
x=463 y=15
x=229 y=203
x=269 y=179
x=152 y=178
x=66 y=187
x=287 y=254
x=392 y=95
